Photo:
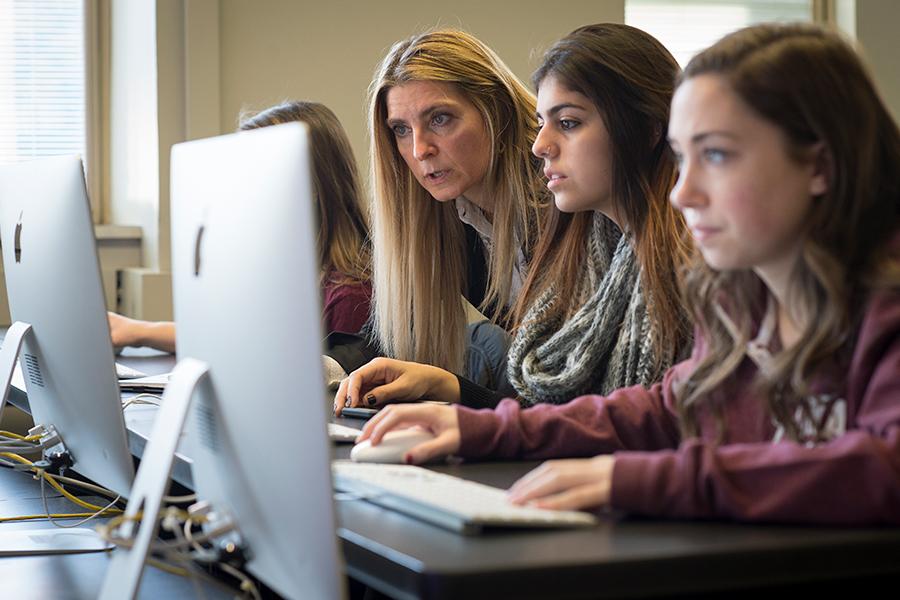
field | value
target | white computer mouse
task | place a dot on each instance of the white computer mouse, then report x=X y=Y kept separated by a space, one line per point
x=392 y=447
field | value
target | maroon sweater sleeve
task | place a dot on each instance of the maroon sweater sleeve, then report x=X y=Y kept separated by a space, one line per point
x=629 y=418
x=346 y=307
x=854 y=479
x=635 y=418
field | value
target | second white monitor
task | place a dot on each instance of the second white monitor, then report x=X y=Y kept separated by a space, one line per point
x=247 y=303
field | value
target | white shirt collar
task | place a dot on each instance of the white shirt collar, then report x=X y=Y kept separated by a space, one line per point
x=471 y=214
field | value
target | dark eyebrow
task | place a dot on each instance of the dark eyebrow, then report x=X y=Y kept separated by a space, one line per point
x=703 y=135
x=424 y=113
x=554 y=110
x=699 y=137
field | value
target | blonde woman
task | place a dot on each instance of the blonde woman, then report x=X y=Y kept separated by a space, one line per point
x=457 y=195
x=343 y=245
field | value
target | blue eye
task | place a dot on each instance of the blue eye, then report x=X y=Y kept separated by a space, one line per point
x=440 y=119
x=400 y=130
x=715 y=156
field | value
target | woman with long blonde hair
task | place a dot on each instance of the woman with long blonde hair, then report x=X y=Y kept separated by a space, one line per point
x=456 y=208
x=457 y=193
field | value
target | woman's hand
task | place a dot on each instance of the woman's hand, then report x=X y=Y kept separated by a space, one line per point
x=132 y=332
x=439 y=420
x=575 y=484
x=124 y=331
x=384 y=380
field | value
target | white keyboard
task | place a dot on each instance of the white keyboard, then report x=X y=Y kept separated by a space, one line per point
x=342 y=433
x=123 y=372
x=444 y=500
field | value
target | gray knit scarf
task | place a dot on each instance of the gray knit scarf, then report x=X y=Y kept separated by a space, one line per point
x=607 y=344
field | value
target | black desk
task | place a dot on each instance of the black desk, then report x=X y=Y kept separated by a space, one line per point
x=73 y=576
x=406 y=558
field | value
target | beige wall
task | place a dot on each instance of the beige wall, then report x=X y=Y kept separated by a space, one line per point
x=328 y=51
x=271 y=50
x=183 y=69
x=877 y=22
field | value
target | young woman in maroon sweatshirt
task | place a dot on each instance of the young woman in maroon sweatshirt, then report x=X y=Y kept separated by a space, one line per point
x=788 y=409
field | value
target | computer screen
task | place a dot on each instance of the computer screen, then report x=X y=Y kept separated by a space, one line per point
x=247 y=303
x=53 y=283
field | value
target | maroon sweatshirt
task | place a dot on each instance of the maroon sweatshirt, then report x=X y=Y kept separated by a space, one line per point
x=751 y=474
x=345 y=306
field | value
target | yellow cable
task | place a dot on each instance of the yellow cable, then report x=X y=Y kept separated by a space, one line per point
x=59 y=488
x=110 y=526
x=180 y=571
x=18 y=458
x=107 y=532
x=24 y=438
x=77 y=500
x=54 y=516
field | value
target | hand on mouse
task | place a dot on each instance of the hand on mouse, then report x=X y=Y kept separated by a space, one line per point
x=384 y=380
x=441 y=421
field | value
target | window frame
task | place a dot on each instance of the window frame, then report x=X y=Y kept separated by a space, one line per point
x=94 y=69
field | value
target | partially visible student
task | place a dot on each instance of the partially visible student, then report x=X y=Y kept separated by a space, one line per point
x=789 y=408
x=600 y=308
x=343 y=245
x=457 y=197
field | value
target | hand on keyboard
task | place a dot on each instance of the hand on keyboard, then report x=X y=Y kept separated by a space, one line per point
x=435 y=418
x=576 y=484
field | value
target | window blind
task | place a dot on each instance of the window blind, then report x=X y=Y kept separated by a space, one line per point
x=687 y=26
x=42 y=78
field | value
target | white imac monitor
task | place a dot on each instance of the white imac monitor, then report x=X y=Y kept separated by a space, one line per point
x=53 y=283
x=247 y=303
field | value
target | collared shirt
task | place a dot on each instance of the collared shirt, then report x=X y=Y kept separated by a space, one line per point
x=471 y=214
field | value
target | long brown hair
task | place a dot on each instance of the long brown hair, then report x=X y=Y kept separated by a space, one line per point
x=343 y=239
x=630 y=78
x=810 y=84
x=419 y=266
